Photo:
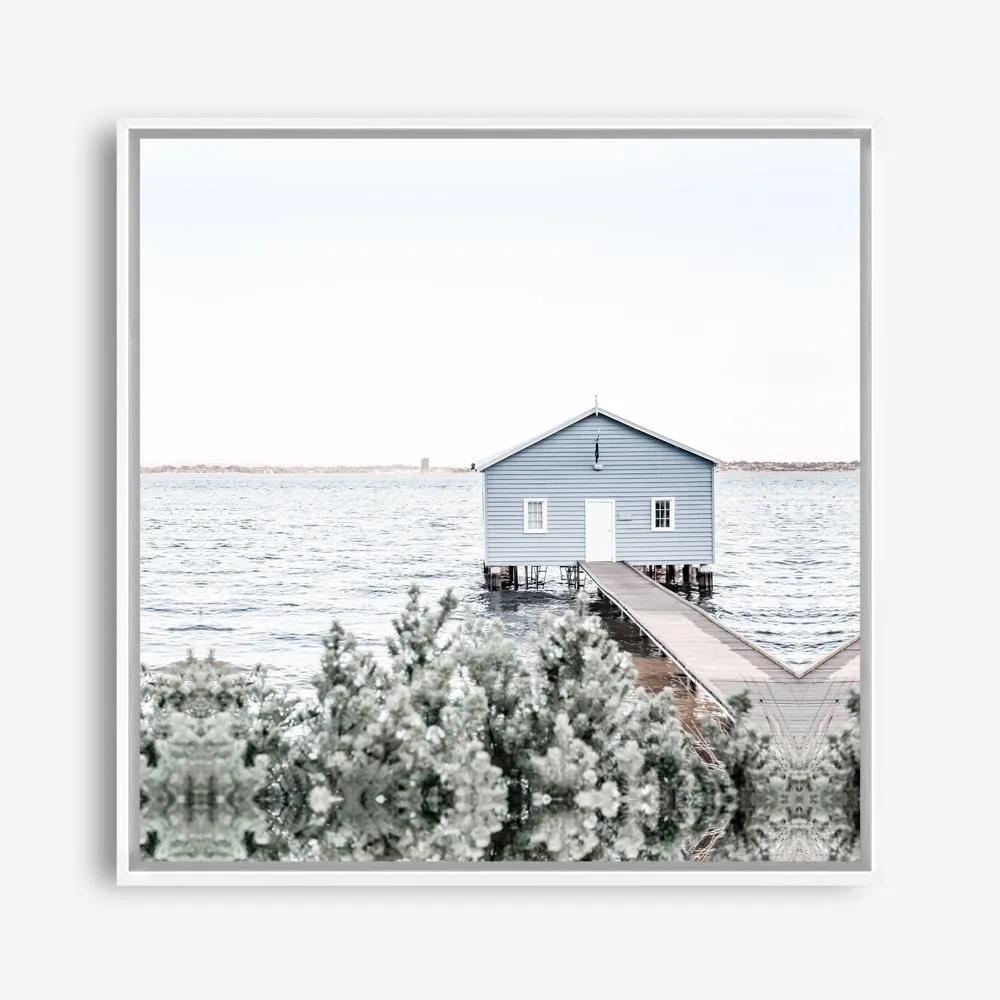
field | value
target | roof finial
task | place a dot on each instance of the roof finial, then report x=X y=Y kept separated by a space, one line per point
x=595 y=404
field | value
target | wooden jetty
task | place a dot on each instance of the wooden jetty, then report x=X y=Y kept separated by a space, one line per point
x=786 y=704
x=830 y=681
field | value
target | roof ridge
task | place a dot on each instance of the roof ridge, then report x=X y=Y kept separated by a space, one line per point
x=596 y=411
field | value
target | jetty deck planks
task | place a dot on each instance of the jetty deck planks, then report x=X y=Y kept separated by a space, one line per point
x=787 y=704
x=836 y=675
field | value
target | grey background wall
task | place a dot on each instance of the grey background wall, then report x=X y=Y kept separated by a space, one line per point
x=70 y=70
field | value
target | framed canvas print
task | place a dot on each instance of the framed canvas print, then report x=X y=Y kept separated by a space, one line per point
x=493 y=502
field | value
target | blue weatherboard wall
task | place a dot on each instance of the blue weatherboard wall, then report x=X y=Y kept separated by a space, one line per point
x=637 y=467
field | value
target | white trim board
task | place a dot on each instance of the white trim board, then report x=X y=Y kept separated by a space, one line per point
x=544 y=529
x=672 y=517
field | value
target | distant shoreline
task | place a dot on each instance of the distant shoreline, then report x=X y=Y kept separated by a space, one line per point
x=789 y=466
x=295 y=470
x=303 y=470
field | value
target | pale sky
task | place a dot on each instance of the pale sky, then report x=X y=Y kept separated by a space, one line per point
x=373 y=301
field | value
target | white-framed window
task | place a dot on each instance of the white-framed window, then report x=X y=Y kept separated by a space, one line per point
x=661 y=514
x=536 y=516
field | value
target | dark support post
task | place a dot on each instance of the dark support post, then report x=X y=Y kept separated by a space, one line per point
x=687 y=576
x=671 y=575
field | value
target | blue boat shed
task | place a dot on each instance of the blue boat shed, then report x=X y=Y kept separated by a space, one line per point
x=598 y=488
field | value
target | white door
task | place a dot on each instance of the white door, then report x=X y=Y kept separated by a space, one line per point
x=600 y=520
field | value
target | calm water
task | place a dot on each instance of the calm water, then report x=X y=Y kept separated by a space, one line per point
x=256 y=567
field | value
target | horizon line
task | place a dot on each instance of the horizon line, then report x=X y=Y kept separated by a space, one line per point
x=469 y=467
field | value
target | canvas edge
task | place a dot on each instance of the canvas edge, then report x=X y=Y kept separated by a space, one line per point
x=566 y=874
x=129 y=131
x=123 y=485
x=873 y=341
x=791 y=124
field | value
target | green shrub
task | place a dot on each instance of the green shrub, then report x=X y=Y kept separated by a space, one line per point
x=459 y=747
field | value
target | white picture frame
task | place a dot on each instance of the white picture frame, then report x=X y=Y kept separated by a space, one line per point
x=133 y=872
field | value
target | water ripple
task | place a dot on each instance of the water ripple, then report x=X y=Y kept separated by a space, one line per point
x=272 y=560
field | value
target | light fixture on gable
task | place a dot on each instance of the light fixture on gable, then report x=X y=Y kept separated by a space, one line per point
x=597 y=454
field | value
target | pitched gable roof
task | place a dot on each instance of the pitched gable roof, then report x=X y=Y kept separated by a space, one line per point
x=594 y=411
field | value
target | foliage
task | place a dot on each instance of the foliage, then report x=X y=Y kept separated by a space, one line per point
x=207 y=736
x=458 y=747
x=793 y=803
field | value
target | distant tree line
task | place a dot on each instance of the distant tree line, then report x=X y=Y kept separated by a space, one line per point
x=741 y=466
x=288 y=469
x=788 y=466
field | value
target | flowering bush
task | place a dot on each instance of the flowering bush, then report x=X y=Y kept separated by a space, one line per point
x=458 y=747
